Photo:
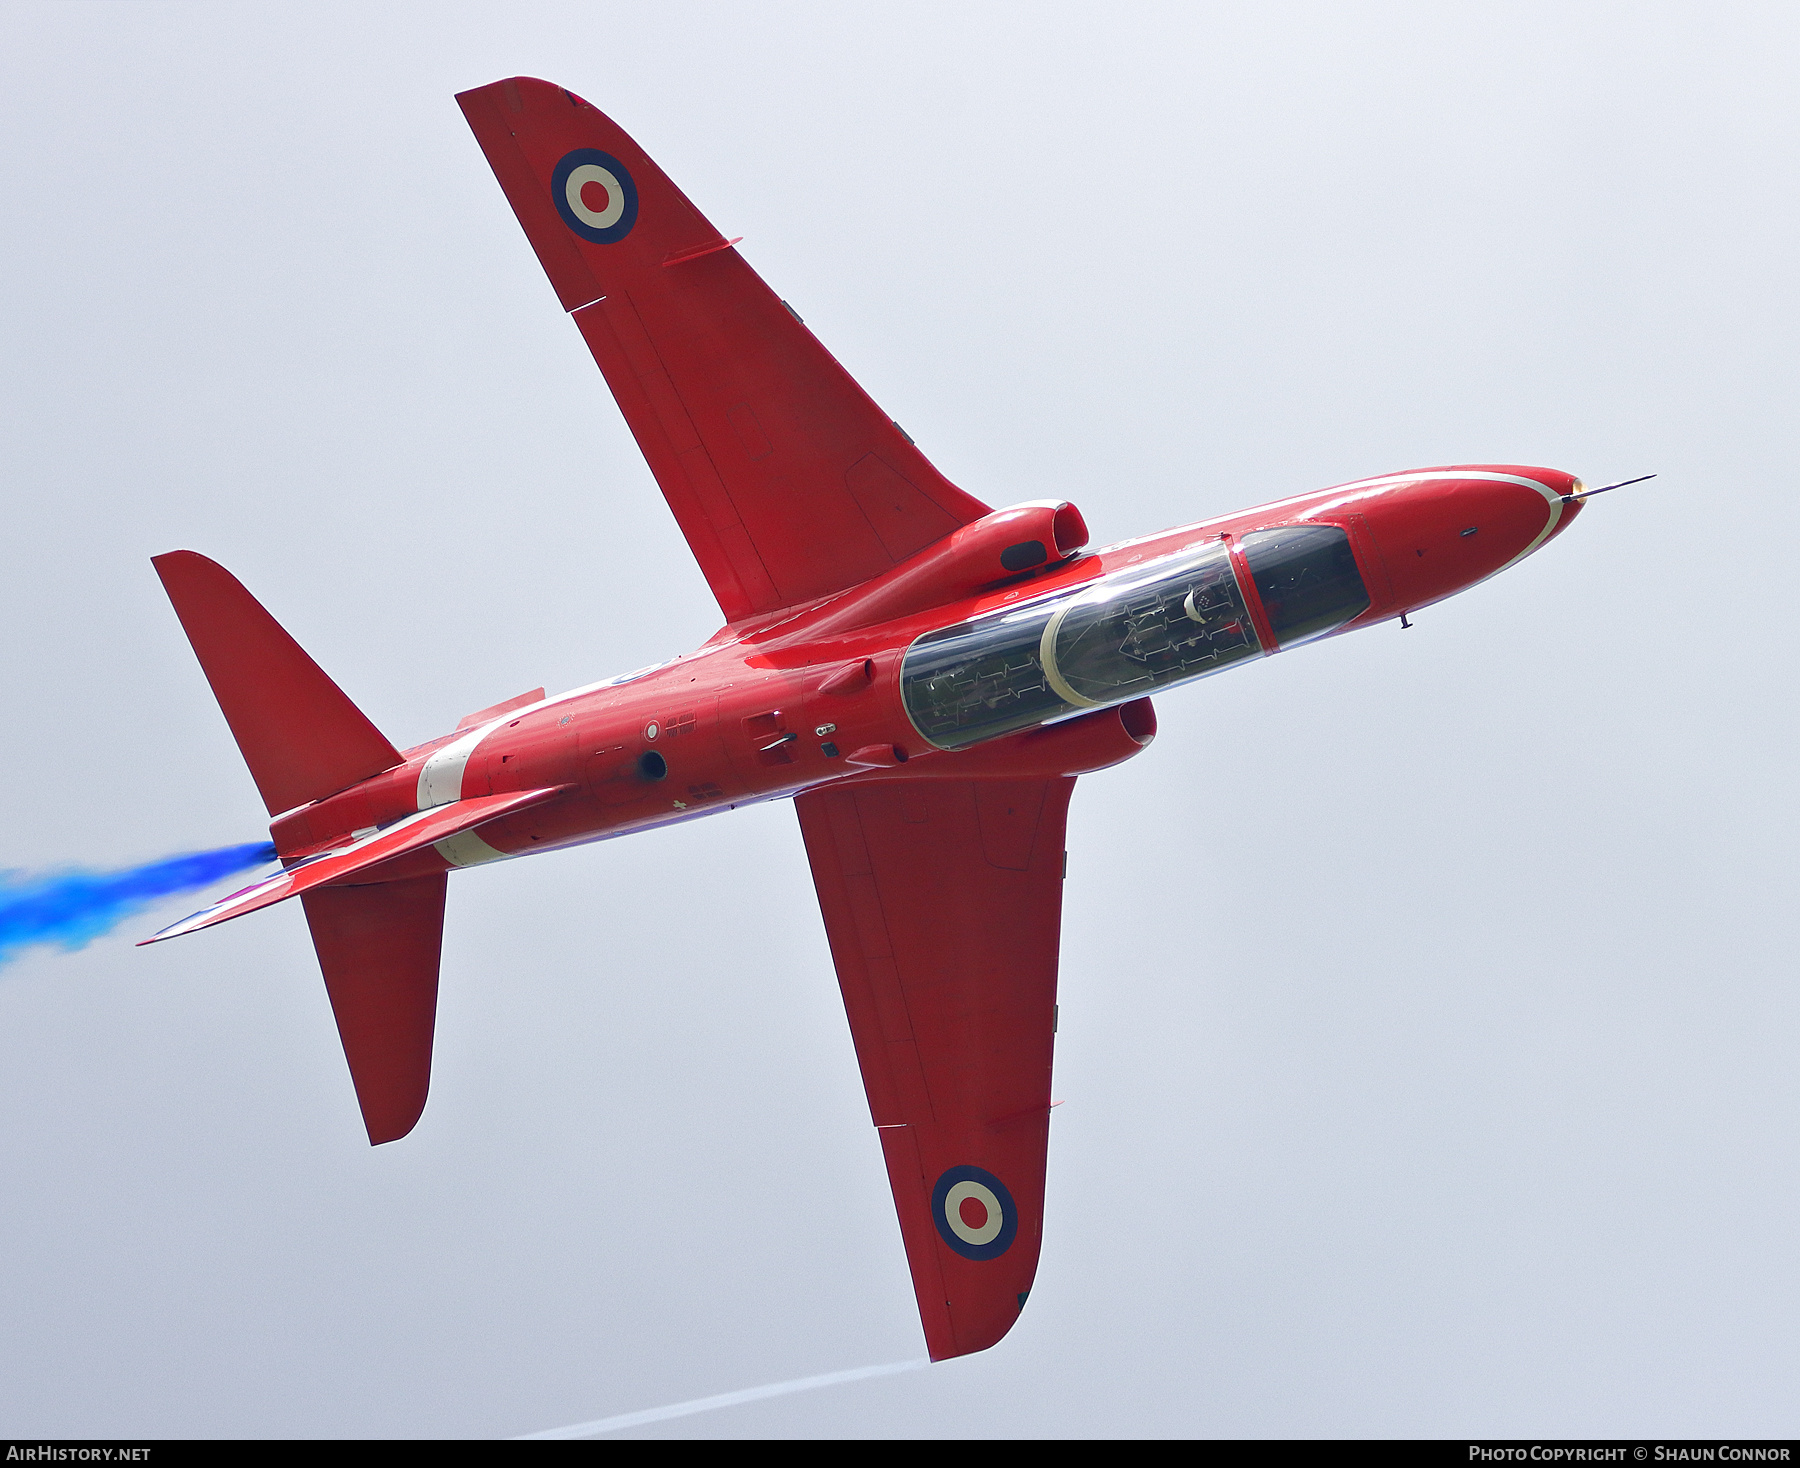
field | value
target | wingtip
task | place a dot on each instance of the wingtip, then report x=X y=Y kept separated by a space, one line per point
x=508 y=89
x=391 y=1129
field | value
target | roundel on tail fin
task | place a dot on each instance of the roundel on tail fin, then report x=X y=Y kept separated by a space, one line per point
x=595 y=195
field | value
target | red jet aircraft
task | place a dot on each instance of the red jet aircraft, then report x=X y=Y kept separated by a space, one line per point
x=923 y=675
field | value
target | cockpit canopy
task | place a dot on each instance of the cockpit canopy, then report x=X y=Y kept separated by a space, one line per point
x=1306 y=579
x=1133 y=632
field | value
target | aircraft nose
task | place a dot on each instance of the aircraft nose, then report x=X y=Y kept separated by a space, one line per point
x=1446 y=530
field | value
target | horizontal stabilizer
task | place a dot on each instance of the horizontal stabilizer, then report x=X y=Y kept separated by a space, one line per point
x=302 y=738
x=410 y=834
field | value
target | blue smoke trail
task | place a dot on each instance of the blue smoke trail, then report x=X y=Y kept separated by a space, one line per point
x=75 y=907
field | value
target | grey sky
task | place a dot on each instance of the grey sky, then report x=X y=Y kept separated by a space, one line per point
x=1429 y=1008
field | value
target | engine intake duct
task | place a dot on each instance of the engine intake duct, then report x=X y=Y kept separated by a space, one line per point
x=997 y=547
x=1077 y=746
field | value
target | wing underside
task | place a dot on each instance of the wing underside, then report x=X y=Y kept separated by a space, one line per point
x=787 y=480
x=943 y=904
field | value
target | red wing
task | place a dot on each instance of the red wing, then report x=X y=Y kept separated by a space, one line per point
x=787 y=481
x=943 y=903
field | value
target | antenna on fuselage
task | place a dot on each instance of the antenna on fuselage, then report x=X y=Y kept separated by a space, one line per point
x=1616 y=484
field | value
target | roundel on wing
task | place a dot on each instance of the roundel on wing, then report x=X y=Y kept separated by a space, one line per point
x=595 y=195
x=974 y=1213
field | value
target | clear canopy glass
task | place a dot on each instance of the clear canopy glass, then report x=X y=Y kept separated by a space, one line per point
x=1306 y=579
x=1133 y=632
x=1150 y=627
x=980 y=679
x=1129 y=634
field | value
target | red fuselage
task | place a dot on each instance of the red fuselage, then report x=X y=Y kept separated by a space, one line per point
x=924 y=675
x=776 y=705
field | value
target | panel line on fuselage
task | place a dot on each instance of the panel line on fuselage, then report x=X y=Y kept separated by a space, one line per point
x=442 y=769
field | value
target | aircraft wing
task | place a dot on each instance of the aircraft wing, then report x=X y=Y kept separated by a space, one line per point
x=787 y=480
x=943 y=904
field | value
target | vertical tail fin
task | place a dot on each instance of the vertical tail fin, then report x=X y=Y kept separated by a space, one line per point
x=300 y=735
x=379 y=947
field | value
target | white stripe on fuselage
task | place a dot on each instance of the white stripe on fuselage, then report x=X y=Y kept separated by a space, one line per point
x=441 y=776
